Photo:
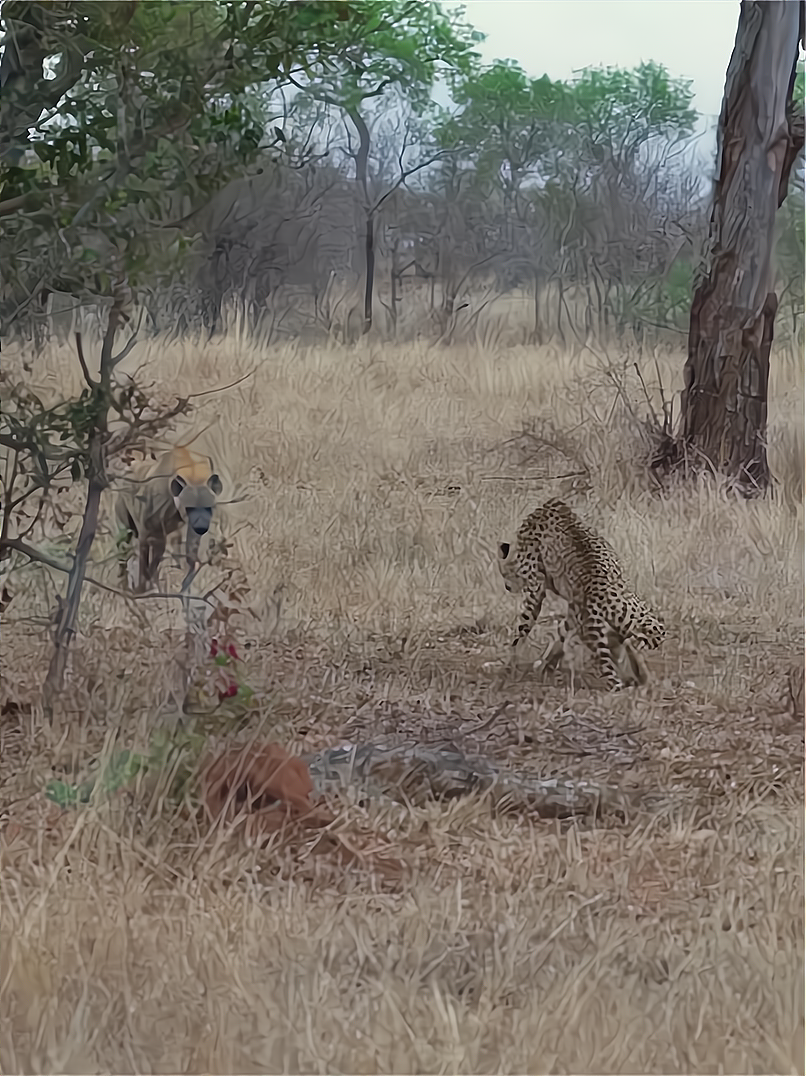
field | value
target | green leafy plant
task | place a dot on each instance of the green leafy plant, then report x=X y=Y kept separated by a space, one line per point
x=174 y=753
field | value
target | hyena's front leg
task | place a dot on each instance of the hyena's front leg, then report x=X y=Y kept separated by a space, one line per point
x=151 y=553
x=124 y=552
x=192 y=550
x=125 y=539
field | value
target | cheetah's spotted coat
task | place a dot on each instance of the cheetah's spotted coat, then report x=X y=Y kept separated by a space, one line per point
x=555 y=551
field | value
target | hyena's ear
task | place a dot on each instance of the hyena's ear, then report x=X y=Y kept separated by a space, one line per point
x=503 y=550
x=214 y=482
x=177 y=485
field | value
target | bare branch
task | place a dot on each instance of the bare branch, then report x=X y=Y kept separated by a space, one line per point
x=83 y=363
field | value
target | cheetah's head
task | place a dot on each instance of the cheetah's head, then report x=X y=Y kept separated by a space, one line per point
x=509 y=566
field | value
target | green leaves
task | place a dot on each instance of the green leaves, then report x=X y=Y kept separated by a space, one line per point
x=392 y=43
x=119 y=771
x=624 y=109
x=152 y=101
x=512 y=127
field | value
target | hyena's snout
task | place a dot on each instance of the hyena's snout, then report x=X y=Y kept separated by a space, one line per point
x=199 y=519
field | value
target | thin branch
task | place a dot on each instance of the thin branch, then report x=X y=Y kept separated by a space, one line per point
x=223 y=388
x=17 y=444
x=91 y=382
x=38 y=557
x=16 y=545
x=129 y=346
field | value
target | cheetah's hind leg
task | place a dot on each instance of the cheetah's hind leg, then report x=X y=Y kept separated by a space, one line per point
x=631 y=666
x=618 y=661
x=607 y=647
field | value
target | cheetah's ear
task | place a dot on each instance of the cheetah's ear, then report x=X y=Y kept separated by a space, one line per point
x=503 y=549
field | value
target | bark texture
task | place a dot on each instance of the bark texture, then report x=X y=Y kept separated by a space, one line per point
x=724 y=401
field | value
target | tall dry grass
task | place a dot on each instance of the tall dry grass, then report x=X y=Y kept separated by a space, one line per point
x=373 y=484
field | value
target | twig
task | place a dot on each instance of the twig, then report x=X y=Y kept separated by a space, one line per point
x=91 y=382
x=650 y=408
x=129 y=343
x=530 y=478
x=67 y=611
x=222 y=388
x=39 y=557
x=668 y=407
x=484 y=725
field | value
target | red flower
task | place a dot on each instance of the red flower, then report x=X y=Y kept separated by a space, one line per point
x=228 y=650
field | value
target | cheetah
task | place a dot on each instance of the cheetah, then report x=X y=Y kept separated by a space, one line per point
x=555 y=551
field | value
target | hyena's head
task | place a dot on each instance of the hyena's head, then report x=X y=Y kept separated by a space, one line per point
x=195 y=501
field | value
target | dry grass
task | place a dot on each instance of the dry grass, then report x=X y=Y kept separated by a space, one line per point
x=377 y=482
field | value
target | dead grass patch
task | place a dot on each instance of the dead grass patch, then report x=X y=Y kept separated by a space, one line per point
x=376 y=482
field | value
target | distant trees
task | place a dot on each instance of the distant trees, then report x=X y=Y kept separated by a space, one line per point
x=404 y=45
x=571 y=166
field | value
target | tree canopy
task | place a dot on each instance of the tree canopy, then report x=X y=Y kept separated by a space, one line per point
x=511 y=127
x=119 y=119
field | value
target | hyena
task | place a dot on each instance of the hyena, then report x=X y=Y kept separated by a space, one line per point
x=156 y=499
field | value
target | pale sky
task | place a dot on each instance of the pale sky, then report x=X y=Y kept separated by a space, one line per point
x=693 y=39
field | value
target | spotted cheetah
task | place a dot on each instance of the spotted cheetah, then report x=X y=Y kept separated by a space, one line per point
x=555 y=551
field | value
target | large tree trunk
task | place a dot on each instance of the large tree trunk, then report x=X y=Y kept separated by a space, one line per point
x=724 y=402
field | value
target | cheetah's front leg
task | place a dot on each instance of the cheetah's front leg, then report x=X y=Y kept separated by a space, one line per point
x=532 y=604
x=558 y=647
x=555 y=651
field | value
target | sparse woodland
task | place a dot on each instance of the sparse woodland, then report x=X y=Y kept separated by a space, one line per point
x=300 y=814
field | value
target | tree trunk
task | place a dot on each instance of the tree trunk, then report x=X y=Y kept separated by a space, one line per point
x=369 y=268
x=361 y=158
x=536 y=335
x=66 y=615
x=724 y=401
x=394 y=281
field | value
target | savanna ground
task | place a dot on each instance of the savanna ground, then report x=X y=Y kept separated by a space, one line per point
x=377 y=482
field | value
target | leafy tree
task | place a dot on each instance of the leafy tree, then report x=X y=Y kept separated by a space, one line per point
x=400 y=46
x=515 y=128
x=147 y=115
x=506 y=124
x=616 y=112
x=561 y=155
